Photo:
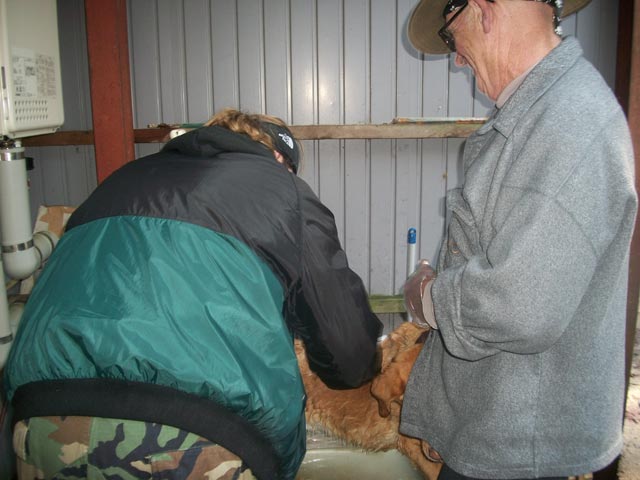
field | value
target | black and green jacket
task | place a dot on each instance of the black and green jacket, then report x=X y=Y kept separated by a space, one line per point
x=165 y=299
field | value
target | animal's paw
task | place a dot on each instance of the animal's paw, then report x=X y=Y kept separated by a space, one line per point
x=389 y=386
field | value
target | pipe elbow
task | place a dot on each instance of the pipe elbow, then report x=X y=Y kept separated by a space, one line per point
x=22 y=263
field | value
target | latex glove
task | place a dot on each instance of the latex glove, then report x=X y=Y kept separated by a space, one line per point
x=417 y=295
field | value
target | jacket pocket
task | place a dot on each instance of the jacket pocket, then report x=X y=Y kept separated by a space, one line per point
x=463 y=234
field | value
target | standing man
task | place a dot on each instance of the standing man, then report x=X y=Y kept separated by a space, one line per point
x=524 y=377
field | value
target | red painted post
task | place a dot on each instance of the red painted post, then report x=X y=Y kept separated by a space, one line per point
x=106 y=22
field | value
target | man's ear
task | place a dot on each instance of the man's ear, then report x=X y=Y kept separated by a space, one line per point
x=486 y=7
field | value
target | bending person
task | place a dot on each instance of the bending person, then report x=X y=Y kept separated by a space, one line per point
x=159 y=337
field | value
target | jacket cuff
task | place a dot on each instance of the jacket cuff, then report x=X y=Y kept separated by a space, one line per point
x=427 y=306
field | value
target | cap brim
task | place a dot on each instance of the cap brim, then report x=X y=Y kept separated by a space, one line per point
x=426 y=19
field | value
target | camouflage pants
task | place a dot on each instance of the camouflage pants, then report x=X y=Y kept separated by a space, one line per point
x=66 y=448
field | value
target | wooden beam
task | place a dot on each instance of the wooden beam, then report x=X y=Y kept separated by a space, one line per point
x=60 y=139
x=414 y=130
x=426 y=129
x=108 y=49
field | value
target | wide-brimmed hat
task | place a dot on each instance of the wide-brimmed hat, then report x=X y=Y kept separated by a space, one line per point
x=426 y=20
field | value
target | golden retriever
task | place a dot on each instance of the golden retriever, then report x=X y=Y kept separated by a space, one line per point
x=369 y=416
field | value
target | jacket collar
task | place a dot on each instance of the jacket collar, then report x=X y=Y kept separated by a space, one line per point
x=535 y=85
x=211 y=141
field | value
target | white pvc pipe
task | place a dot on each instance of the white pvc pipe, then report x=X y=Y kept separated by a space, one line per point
x=5 y=326
x=13 y=187
x=6 y=336
x=21 y=264
x=15 y=214
x=22 y=252
x=9 y=320
x=44 y=242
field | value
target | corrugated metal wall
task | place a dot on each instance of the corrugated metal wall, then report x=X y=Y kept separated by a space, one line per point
x=308 y=62
x=66 y=175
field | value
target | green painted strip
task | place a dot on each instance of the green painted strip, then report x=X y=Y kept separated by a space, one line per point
x=387 y=303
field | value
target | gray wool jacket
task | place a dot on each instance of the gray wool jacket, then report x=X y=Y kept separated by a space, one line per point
x=525 y=376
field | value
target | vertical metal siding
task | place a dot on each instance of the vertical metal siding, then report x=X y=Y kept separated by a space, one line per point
x=66 y=175
x=308 y=62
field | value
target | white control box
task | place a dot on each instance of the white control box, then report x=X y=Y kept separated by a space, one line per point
x=30 y=78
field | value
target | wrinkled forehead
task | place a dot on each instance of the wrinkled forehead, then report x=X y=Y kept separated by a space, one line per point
x=455 y=4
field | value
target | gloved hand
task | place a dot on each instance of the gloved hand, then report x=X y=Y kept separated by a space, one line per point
x=414 y=291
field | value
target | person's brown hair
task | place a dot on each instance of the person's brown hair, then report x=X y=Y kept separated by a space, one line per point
x=246 y=123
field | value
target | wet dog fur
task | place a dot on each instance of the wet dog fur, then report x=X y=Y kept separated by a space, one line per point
x=368 y=417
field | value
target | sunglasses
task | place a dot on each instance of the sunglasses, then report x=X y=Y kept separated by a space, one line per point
x=445 y=34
